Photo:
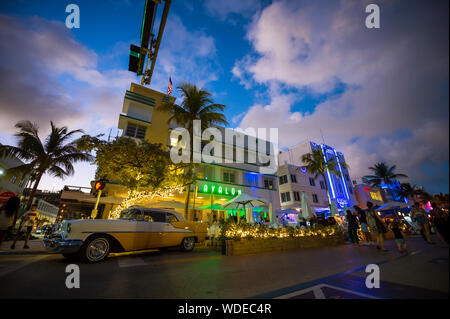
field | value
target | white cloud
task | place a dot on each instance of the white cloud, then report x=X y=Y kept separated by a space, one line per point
x=396 y=103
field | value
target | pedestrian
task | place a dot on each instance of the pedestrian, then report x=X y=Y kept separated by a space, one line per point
x=399 y=238
x=376 y=225
x=352 y=226
x=420 y=215
x=28 y=219
x=8 y=216
x=440 y=222
x=363 y=222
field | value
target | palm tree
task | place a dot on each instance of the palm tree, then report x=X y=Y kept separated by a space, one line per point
x=382 y=173
x=318 y=166
x=55 y=155
x=411 y=191
x=196 y=104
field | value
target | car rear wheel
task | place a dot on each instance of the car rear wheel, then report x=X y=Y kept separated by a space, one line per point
x=95 y=249
x=188 y=244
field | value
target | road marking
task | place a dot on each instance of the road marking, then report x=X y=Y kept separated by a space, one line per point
x=7 y=268
x=318 y=293
x=125 y=262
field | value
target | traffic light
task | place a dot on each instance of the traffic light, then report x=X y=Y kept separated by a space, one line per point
x=133 y=64
x=99 y=185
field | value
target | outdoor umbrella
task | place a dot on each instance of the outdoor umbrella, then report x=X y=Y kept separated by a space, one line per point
x=306 y=208
x=243 y=201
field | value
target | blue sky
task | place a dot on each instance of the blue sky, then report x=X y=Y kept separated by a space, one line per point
x=301 y=66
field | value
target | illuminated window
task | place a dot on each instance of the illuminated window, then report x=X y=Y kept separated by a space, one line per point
x=376 y=196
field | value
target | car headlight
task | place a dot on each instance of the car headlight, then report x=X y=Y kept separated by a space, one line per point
x=69 y=227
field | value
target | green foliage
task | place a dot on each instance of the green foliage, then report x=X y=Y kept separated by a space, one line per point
x=315 y=164
x=133 y=164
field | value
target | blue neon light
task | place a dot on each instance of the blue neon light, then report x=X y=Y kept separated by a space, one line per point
x=342 y=175
x=328 y=172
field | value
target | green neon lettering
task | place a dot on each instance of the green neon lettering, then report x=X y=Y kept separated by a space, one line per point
x=205 y=188
x=220 y=189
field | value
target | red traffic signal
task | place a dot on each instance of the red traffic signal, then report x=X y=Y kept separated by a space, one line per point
x=99 y=185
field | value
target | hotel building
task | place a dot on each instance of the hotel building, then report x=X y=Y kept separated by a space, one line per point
x=216 y=182
x=339 y=187
x=295 y=180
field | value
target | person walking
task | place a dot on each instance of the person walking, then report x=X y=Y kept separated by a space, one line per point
x=364 y=228
x=420 y=215
x=399 y=238
x=28 y=220
x=376 y=225
x=352 y=226
x=8 y=216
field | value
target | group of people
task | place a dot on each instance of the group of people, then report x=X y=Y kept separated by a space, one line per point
x=8 y=218
x=373 y=227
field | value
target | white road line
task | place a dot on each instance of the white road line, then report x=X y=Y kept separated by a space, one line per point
x=8 y=268
x=318 y=293
x=125 y=262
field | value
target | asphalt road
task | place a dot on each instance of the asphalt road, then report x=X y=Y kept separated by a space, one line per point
x=328 y=272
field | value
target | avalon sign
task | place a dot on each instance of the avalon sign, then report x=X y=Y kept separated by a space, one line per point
x=219 y=190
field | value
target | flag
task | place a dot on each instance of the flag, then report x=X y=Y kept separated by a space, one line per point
x=169 y=88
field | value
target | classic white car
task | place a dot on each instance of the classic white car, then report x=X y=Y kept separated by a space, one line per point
x=137 y=228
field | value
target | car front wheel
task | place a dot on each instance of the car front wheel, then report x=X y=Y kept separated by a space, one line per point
x=95 y=249
x=188 y=244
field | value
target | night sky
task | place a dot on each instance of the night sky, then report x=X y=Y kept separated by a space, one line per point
x=301 y=66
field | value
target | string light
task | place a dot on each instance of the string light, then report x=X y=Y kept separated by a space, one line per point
x=135 y=196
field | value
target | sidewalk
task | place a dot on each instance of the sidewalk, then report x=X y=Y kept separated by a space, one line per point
x=36 y=247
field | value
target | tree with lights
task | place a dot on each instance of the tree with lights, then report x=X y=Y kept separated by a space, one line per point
x=145 y=169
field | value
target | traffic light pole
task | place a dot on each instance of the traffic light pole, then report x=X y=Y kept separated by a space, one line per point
x=152 y=54
x=94 y=211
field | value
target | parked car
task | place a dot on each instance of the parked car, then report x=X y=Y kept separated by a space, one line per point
x=137 y=228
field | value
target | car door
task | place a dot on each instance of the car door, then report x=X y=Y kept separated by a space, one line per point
x=132 y=233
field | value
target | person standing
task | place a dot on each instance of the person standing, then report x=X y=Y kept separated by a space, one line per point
x=28 y=220
x=352 y=226
x=8 y=216
x=399 y=238
x=377 y=227
x=363 y=222
x=420 y=215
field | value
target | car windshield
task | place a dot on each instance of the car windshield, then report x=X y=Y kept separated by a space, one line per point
x=131 y=214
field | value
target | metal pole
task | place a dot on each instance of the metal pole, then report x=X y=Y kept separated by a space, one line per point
x=94 y=211
x=160 y=33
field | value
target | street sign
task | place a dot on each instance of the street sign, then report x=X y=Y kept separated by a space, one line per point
x=5 y=196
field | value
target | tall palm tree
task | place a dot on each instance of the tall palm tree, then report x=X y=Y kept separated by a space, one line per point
x=411 y=192
x=382 y=173
x=55 y=155
x=316 y=164
x=196 y=104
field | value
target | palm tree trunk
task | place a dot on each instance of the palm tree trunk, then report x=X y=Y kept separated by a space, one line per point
x=189 y=168
x=33 y=191
x=326 y=190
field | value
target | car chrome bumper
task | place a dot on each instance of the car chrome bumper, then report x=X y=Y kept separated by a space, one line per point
x=64 y=246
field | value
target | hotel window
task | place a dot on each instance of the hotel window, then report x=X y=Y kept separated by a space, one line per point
x=376 y=196
x=21 y=183
x=312 y=182
x=285 y=197
x=283 y=179
x=13 y=179
x=293 y=178
x=322 y=184
x=268 y=183
x=134 y=130
x=229 y=177
x=297 y=196
x=315 y=198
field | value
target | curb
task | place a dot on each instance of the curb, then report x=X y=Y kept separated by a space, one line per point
x=25 y=253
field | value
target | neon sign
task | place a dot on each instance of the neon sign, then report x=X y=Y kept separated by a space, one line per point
x=219 y=190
